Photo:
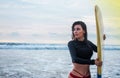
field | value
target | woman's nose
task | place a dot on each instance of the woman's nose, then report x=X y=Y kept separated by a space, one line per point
x=75 y=31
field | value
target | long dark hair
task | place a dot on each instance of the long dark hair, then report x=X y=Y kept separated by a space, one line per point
x=83 y=25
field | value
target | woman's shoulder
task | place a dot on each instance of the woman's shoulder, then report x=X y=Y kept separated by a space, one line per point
x=90 y=42
x=71 y=42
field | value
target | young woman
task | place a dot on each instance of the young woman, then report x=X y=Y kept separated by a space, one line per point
x=81 y=50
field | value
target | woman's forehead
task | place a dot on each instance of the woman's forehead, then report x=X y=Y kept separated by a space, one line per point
x=77 y=26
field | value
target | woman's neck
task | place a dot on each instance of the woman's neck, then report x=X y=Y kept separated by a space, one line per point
x=81 y=39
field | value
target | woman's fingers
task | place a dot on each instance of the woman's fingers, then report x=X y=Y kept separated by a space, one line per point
x=98 y=62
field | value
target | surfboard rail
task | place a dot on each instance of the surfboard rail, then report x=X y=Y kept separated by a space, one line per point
x=99 y=31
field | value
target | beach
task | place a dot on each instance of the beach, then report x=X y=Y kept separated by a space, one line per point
x=50 y=63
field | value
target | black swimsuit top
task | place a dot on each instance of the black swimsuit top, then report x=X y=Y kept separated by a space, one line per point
x=81 y=51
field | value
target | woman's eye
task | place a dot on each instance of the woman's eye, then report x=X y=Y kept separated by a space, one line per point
x=78 y=29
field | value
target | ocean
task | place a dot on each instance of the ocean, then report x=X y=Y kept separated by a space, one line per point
x=26 y=60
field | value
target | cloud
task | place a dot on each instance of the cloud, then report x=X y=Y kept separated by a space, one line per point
x=14 y=34
x=41 y=13
x=47 y=20
x=15 y=5
x=1 y=33
x=42 y=2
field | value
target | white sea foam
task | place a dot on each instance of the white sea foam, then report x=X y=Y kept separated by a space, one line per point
x=50 y=64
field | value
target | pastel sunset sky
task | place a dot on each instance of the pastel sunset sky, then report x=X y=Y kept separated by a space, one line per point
x=49 y=21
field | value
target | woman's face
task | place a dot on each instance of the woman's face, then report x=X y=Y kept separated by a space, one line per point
x=78 y=32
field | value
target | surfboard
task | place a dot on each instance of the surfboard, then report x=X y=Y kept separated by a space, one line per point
x=99 y=31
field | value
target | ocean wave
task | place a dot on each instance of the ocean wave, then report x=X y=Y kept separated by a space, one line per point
x=33 y=46
x=30 y=46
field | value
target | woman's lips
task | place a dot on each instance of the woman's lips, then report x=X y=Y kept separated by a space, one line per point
x=76 y=34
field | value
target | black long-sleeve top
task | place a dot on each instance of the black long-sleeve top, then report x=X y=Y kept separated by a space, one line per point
x=81 y=51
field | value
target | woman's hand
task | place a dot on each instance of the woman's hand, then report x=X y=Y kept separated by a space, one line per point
x=98 y=62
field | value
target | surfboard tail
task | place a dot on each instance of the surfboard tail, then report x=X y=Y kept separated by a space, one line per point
x=99 y=72
x=99 y=76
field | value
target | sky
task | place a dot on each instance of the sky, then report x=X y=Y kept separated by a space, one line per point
x=111 y=18
x=50 y=21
